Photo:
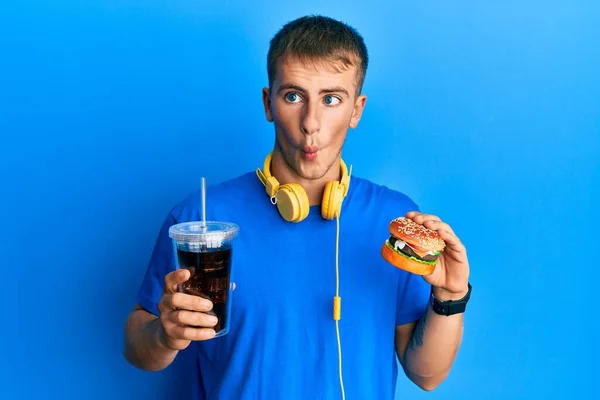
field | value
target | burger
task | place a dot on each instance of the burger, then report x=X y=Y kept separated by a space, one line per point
x=412 y=247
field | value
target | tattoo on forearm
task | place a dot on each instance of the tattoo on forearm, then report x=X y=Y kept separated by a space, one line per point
x=417 y=337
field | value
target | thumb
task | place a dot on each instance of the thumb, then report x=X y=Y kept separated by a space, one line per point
x=174 y=278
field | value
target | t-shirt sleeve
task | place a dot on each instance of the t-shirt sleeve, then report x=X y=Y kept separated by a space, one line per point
x=161 y=263
x=413 y=297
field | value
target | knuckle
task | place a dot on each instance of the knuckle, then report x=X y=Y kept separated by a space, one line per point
x=167 y=300
x=163 y=315
x=169 y=327
x=178 y=332
x=178 y=317
x=177 y=299
x=164 y=305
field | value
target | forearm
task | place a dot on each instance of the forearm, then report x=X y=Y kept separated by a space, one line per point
x=433 y=348
x=143 y=347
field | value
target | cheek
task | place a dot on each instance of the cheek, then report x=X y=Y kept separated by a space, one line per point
x=286 y=124
x=338 y=120
x=285 y=115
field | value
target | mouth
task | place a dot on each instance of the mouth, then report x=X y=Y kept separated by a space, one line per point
x=309 y=153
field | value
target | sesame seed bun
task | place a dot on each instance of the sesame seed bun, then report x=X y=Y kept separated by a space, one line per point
x=416 y=235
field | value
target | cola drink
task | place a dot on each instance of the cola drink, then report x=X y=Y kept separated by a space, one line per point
x=206 y=249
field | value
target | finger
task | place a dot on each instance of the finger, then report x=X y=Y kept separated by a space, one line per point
x=174 y=278
x=191 y=333
x=452 y=240
x=189 y=302
x=425 y=217
x=412 y=214
x=233 y=286
x=193 y=318
x=436 y=225
x=168 y=340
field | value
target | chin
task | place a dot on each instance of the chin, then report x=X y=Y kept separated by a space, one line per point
x=317 y=168
x=309 y=170
x=314 y=174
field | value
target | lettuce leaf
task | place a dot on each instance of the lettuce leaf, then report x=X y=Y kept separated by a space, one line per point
x=411 y=257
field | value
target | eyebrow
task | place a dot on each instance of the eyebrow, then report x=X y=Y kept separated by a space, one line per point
x=335 y=89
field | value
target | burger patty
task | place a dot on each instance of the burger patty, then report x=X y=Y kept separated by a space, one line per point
x=409 y=252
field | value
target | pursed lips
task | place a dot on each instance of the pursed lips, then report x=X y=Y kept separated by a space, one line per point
x=309 y=153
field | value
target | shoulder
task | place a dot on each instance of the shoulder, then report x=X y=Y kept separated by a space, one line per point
x=369 y=195
x=230 y=193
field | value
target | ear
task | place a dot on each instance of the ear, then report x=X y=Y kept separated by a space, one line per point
x=359 y=106
x=267 y=104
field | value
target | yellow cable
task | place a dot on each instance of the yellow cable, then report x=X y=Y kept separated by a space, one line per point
x=337 y=303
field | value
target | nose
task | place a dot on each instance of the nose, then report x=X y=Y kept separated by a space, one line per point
x=310 y=119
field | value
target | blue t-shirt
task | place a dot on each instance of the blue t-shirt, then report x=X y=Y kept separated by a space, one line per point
x=282 y=342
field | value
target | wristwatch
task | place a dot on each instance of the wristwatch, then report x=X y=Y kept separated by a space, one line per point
x=450 y=307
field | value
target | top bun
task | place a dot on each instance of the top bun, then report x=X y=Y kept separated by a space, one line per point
x=416 y=234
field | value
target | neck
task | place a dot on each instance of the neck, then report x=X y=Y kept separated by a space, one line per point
x=314 y=187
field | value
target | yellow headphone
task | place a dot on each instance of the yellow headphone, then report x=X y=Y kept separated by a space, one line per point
x=292 y=201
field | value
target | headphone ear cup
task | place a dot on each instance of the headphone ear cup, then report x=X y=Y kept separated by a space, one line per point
x=333 y=196
x=292 y=202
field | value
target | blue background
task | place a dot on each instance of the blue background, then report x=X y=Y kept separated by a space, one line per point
x=486 y=113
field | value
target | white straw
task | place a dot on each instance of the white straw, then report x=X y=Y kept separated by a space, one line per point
x=203 y=191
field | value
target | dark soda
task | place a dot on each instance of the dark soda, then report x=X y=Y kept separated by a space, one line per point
x=210 y=278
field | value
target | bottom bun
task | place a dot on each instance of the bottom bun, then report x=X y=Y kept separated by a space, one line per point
x=405 y=263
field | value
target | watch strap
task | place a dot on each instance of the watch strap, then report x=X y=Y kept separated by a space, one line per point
x=450 y=307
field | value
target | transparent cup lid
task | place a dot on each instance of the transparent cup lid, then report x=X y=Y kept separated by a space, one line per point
x=207 y=232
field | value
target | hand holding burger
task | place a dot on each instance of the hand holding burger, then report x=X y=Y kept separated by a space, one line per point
x=425 y=245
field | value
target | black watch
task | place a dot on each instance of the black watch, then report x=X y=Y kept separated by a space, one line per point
x=450 y=307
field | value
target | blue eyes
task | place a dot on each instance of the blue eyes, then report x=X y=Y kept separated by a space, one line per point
x=294 y=97
x=332 y=101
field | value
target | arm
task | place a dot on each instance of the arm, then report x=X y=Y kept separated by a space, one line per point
x=143 y=347
x=427 y=348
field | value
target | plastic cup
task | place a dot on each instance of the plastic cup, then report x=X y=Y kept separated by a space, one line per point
x=205 y=248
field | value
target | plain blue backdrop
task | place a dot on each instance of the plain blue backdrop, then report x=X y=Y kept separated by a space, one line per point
x=486 y=113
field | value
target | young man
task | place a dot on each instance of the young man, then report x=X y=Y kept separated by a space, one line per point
x=283 y=340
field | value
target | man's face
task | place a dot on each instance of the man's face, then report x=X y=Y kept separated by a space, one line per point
x=312 y=106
